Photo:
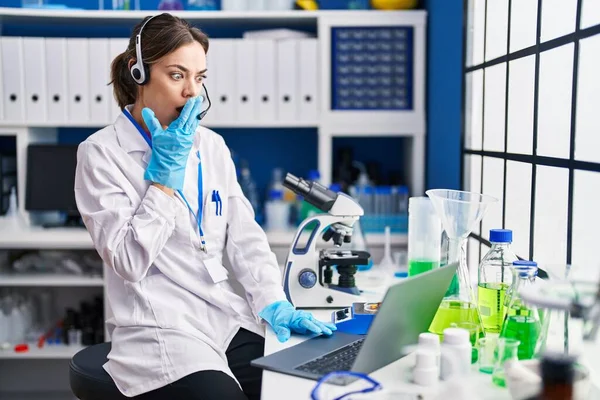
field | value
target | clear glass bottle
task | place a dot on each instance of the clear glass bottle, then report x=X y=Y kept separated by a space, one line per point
x=522 y=321
x=494 y=279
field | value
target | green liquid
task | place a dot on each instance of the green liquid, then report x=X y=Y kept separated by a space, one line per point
x=454 y=311
x=416 y=267
x=524 y=328
x=499 y=379
x=486 y=370
x=490 y=298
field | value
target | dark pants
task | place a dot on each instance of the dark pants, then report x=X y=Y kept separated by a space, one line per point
x=216 y=385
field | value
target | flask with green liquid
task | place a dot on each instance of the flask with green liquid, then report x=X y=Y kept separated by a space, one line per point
x=494 y=278
x=522 y=321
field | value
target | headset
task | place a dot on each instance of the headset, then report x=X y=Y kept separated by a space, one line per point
x=140 y=71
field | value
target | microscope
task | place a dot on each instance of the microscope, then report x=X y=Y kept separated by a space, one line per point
x=308 y=275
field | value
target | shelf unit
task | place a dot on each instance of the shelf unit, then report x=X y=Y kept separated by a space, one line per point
x=330 y=124
x=51 y=352
x=49 y=280
x=78 y=238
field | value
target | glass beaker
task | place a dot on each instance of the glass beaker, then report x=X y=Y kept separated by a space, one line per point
x=459 y=212
x=507 y=352
x=522 y=321
x=474 y=333
x=487 y=352
x=424 y=232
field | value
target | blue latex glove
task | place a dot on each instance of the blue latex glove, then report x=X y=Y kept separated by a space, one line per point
x=284 y=318
x=171 y=147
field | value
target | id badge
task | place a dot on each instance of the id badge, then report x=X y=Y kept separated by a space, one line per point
x=216 y=270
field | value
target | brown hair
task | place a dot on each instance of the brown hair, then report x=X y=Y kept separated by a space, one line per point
x=161 y=36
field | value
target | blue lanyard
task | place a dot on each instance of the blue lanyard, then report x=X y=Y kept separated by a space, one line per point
x=197 y=216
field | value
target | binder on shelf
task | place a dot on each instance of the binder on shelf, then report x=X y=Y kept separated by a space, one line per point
x=56 y=79
x=78 y=81
x=34 y=64
x=265 y=75
x=12 y=78
x=308 y=79
x=246 y=85
x=99 y=79
x=116 y=47
x=224 y=55
x=287 y=80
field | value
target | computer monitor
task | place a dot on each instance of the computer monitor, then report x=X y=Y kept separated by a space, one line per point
x=51 y=180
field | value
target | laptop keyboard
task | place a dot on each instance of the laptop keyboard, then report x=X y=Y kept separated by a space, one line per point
x=338 y=360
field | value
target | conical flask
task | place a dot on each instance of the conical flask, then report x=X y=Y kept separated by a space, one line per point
x=522 y=320
x=459 y=212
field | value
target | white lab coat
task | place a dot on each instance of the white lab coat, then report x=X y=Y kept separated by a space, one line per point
x=170 y=317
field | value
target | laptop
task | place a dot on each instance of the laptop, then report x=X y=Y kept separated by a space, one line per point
x=406 y=311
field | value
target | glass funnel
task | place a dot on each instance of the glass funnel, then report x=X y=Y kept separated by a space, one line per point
x=459 y=212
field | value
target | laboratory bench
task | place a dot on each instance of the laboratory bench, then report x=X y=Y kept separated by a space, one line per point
x=394 y=377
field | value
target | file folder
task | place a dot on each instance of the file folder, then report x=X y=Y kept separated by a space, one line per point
x=78 y=86
x=56 y=79
x=308 y=63
x=34 y=64
x=287 y=80
x=245 y=76
x=265 y=76
x=12 y=79
x=100 y=98
x=224 y=52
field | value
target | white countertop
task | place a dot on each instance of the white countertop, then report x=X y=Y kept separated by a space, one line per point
x=395 y=377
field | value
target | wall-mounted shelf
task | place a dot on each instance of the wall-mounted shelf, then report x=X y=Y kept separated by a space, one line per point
x=215 y=124
x=78 y=238
x=69 y=16
x=40 y=238
x=48 y=280
x=56 y=351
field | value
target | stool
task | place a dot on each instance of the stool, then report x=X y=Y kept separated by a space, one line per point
x=89 y=381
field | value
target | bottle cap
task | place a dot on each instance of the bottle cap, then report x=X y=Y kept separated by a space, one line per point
x=525 y=267
x=335 y=187
x=500 y=236
x=314 y=174
x=456 y=336
x=429 y=341
x=21 y=348
x=275 y=194
x=524 y=263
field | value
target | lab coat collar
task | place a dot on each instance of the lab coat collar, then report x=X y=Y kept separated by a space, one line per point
x=128 y=135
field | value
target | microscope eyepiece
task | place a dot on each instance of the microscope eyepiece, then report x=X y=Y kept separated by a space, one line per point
x=297 y=185
x=313 y=192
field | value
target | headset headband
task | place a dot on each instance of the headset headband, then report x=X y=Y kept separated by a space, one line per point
x=139 y=71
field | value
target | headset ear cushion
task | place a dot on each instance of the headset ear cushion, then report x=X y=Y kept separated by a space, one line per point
x=135 y=73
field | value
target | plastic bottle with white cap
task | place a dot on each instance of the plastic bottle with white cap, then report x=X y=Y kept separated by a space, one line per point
x=456 y=353
x=430 y=342
x=426 y=371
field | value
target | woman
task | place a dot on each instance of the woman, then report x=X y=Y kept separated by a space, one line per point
x=158 y=194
